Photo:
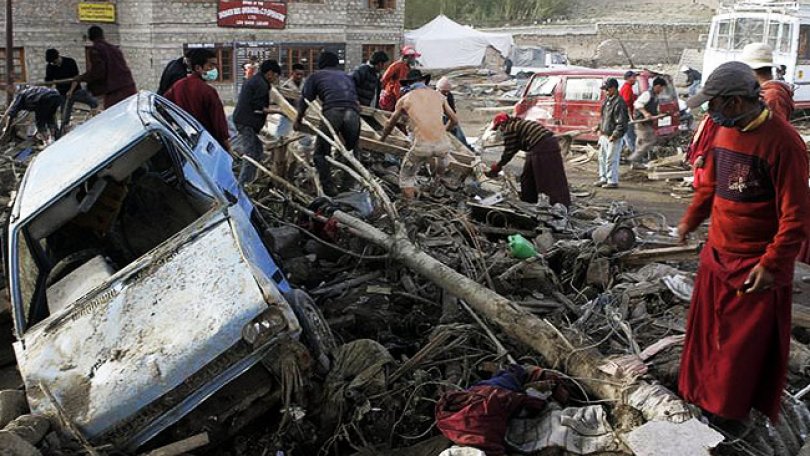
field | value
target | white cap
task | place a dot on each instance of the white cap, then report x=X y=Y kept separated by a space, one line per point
x=444 y=84
x=684 y=69
x=757 y=55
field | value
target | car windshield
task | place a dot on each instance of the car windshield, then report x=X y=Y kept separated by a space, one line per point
x=103 y=224
x=543 y=86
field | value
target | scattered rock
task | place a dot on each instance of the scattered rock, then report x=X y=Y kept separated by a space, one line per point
x=13 y=445
x=31 y=428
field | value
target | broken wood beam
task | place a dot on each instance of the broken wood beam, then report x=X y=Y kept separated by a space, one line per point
x=181 y=446
x=679 y=253
x=664 y=175
x=572 y=353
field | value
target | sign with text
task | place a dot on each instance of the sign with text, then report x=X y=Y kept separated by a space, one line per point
x=252 y=14
x=97 y=12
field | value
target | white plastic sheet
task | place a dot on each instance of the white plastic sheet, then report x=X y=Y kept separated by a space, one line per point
x=444 y=43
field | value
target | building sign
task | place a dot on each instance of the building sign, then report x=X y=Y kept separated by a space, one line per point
x=252 y=14
x=97 y=12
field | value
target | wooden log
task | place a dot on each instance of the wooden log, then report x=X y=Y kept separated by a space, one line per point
x=572 y=354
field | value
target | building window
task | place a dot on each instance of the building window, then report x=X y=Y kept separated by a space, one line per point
x=307 y=55
x=389 y=49
x=382 y=4
x=225 y=59
x=18 y=57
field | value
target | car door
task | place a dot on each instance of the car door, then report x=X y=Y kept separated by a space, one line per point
x=581 y=102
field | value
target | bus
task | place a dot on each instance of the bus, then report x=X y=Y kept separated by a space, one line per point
x=784 y=25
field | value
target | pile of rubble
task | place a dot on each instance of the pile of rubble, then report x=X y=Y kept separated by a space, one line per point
x=463 y=321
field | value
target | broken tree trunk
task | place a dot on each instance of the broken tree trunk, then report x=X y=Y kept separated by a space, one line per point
x=579 y=361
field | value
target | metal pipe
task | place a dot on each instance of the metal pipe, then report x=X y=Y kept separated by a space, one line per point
x=9 y=52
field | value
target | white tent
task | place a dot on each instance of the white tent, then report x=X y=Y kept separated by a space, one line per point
x=444 y=43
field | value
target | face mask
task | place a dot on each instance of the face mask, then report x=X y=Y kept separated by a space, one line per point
x=211 y=75
x=724 y=121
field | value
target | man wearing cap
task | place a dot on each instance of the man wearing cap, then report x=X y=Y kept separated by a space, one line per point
x=629 y=96
x=250 y=115
x=425 y=109
x=339 y=105
x=778 y=95
x=693 y=79
x=543 y=169
x=646 y=112
x=612 y=127
x=755 y=190
x=396 y=71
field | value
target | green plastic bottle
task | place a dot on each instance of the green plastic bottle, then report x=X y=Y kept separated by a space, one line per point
x=520 y=247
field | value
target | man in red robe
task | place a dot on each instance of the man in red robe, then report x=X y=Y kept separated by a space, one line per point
x=755 y=189
x=198 y=98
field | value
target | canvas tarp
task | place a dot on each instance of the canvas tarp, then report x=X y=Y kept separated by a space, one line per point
x=444 y=43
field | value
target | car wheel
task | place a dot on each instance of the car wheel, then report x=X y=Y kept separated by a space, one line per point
x=315 y=332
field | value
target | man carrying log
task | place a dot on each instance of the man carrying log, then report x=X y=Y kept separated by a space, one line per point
x=755 y=190
x=543 y=171
x=425 y=109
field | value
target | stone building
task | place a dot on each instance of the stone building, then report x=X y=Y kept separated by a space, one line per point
x=153 y=32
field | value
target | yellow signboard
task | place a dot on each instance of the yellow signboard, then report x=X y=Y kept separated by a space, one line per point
x=97 y=12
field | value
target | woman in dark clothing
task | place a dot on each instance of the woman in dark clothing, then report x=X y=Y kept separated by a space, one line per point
x=543 y=171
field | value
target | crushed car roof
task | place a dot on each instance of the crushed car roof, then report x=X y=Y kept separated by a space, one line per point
x=57 y=168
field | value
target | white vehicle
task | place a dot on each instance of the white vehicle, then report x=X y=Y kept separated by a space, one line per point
x=784 y=25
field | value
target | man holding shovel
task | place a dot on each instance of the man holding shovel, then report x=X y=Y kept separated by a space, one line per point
x=646 y=112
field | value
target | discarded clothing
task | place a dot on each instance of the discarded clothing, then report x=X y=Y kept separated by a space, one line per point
x=479 y=416
x=577 y=430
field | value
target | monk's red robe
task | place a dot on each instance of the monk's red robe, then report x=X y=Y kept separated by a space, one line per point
x=755 y=190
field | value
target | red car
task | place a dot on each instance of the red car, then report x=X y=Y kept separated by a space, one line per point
x=569 y=99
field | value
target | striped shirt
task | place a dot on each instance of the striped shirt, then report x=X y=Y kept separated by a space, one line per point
x=519 y=134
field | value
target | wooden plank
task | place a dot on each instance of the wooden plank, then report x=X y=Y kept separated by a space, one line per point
x=663 y=175
x=679 y=253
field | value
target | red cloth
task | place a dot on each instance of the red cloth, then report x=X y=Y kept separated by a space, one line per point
x=479 y=416
x=778 y=95
x=736 y=349
x=390 y=84
x=626 y=92
x=756 y=193
x=202 y=102
x=113 y=98
x=700 y=146
x=107 y=70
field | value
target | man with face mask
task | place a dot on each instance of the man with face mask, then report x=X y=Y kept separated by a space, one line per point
x=198 y=98
x=250 y=116
x=755 y=190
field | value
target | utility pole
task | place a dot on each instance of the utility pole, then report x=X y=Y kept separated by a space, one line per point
x=9 y=52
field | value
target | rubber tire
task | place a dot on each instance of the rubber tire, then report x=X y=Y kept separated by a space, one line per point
x=315 y=332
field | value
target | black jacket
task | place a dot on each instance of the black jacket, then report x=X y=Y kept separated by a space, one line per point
x=255 y=96
x=614 y=118
x=67 y=70
x=367 y=82
x=174 y=71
